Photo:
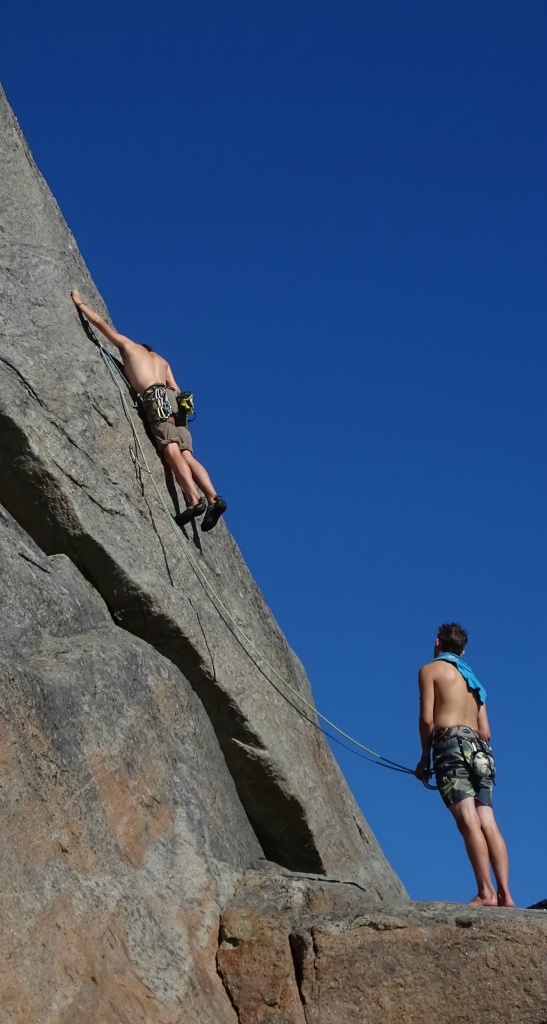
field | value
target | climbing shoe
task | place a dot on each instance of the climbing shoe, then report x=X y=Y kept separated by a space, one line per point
x=190 y=513
x=213 y=513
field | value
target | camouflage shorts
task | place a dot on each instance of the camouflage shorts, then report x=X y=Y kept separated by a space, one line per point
x=452 y=764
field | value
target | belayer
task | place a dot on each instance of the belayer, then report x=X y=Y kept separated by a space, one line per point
x=151 y=377
x=454 y=726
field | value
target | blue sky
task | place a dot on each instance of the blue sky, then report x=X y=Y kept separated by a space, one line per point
x=331 y=219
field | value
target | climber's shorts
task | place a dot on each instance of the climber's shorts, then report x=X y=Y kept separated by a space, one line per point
x=453 y=753
x=164 y=432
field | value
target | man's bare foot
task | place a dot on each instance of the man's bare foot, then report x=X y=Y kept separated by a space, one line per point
x=76 y=297
x=484 y=901
x=506 y=900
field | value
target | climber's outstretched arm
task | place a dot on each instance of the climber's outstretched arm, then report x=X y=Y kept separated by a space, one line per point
x=119 y=340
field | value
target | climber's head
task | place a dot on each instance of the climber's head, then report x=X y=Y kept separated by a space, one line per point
x=451 y=637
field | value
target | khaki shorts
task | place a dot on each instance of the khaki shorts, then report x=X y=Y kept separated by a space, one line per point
x=168 y=431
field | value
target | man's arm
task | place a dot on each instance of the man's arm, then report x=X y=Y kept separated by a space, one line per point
x=119 y=340
x=483 y=724
x=427 y=705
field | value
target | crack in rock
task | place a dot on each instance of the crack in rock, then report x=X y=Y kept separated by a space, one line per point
x=222 y=942
x=28 y=387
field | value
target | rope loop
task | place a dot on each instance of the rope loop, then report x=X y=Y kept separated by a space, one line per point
x=137 y=452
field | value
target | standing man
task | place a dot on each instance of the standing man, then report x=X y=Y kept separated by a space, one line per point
x=454 y=724
x=152 y=379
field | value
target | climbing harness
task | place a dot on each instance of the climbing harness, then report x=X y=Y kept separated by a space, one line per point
x=475 y=752
x=156 y=402
x=156 y=396
x=137 y=452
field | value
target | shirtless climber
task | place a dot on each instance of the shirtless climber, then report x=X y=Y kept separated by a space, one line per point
x=454 y=724
x=152 y=379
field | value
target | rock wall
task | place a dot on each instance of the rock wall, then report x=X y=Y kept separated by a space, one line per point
x=67 y=476
x=177 y=843
x=122 y=833
x=294 y=951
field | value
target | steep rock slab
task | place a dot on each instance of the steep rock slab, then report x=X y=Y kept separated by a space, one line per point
x=121 y=832
x=66 y=474
x=336 y=961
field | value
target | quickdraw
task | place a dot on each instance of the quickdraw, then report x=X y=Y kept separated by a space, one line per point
x=156 y=395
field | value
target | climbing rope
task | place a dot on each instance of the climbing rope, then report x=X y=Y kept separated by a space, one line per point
x=356 y=746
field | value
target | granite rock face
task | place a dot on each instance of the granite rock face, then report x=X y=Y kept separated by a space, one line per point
x=122 y=833
x=147 y=733
x=67 y=476
x=338 y=961
x=177 y=843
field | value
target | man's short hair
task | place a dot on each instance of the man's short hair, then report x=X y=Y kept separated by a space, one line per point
x=452 y=637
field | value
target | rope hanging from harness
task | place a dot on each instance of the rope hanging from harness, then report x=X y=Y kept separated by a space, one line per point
x=426 y=781
x=358 y=748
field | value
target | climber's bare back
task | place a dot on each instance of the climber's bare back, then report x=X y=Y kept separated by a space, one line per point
x=451 y=701
x=143 y=368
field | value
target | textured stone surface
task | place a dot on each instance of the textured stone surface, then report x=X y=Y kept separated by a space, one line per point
x=165 y=858
x=121 y=830
x=338 y=962
x=66 y=475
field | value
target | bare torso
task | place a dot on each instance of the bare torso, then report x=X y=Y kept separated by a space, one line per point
x=143 y=368
x=454 y=703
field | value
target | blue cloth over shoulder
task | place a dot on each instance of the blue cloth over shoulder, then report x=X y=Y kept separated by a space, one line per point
x=466 y=671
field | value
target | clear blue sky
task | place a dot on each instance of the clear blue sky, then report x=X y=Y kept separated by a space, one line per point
x=330 y=217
